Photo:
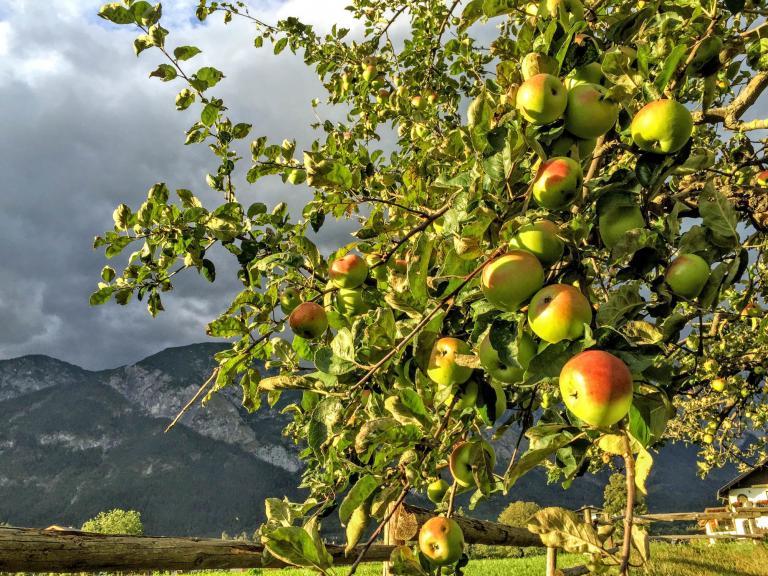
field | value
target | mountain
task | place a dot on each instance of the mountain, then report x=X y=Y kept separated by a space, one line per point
x=75 y=442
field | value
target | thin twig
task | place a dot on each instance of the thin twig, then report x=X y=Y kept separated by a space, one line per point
x=626 y=549
x=194 y=398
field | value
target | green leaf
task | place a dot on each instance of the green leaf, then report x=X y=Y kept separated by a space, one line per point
x=184 y=99
x=533 y=458
x=560 y=528
x=209 y=76
x=719 y=216
x=101 y=296
x=405 y=563
x=116 y=13
x=670 y=66
x=358 y=494
x=280 y=45
x=185 y=52
x=209 y=114
x=622 y=305
x=142 y=43
x=294 y=545
x=649 y=415
x=165 y=72
x=225 y=327
x=640 y=332
x=643 y=465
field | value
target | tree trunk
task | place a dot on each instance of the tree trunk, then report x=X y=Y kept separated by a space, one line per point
x=33 y=550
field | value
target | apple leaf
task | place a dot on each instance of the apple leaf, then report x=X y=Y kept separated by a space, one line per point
x=640 y=332
x=670 y=66
x=358 y=494
x=561 y=528
x=719 y=216
x=615 y=444
x=622 y=304
x=405 y=563
x=649 y=415
x=533 y=458
x=294 y=545
x=641 y=542
x=643 y=465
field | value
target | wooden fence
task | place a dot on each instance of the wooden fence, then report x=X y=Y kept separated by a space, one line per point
x=35 y=550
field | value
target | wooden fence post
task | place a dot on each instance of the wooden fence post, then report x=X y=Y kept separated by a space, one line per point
x=551 y=561
x=389 y=539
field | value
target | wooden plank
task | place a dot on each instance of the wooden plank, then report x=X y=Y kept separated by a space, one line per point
x=696 y=516
x=551 y=561
x=34 y=550
x=707 y=536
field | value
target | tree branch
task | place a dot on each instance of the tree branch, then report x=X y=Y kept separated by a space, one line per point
x=730 y=116
x=626 y=549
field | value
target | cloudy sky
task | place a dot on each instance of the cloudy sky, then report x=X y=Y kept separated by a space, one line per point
x=84 y=129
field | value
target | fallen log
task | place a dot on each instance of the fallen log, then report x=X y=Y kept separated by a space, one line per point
x=34 y=550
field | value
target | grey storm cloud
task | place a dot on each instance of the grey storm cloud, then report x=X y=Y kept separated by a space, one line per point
x=84 y=129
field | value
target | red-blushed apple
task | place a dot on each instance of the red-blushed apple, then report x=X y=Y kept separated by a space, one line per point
x=460 y=462
x=590 y=112
x=511 y=279
x=597 y=387
x=349 y=271
x=559 y=312
x=616 y=219
x=541 y=239
x=308 y=320
x=492 y=364
x=441 y=540
x=542 y=99
x=687 y=275
x=289 y=299
x=436 y=490
x=662 y=127
x=762 y=179
x=442 y=368
x=557 y=183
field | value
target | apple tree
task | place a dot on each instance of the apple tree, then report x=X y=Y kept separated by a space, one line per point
x=560 y=219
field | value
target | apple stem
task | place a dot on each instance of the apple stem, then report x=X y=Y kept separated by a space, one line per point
x=629 y=463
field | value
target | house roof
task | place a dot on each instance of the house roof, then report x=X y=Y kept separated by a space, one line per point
x=756 y=468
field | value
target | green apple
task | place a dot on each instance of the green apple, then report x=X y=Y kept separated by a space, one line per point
x=289 y=299
x=542 y=99
x=350 y=302
x=616 y=219
x=511 y=279
x=597 y=387
x=308 y=320
x=418 y=102
x=687 y=275
x=558 y=183
x=537 y=63
x=559 y=312
x=369 y=72
x=442 y=368
x=436 y=490
x=492 y=364
x=441 y=541
x=590 y=112
x=349 y=271
x=564 y=144
x=541 y=239
x=591 y=73
x=460 y=462
x=662 y=127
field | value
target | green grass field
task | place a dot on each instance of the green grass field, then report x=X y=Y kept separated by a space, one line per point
x=700 y=559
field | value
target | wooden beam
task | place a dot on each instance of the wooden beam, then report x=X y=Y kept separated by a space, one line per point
x=408 y=520
x=707 y=536
x=34 y=550
x=696 y=516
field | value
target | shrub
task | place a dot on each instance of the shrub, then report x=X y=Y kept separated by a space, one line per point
x=116 y=521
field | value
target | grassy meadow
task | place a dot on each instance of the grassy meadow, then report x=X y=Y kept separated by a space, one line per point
x=699 y=559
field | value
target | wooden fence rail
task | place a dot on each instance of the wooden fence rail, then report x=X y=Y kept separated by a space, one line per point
x=34 y=550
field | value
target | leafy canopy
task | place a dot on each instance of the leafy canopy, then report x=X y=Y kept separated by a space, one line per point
x=441 y=78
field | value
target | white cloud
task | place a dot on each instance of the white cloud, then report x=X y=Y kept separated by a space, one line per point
x=5 y=37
